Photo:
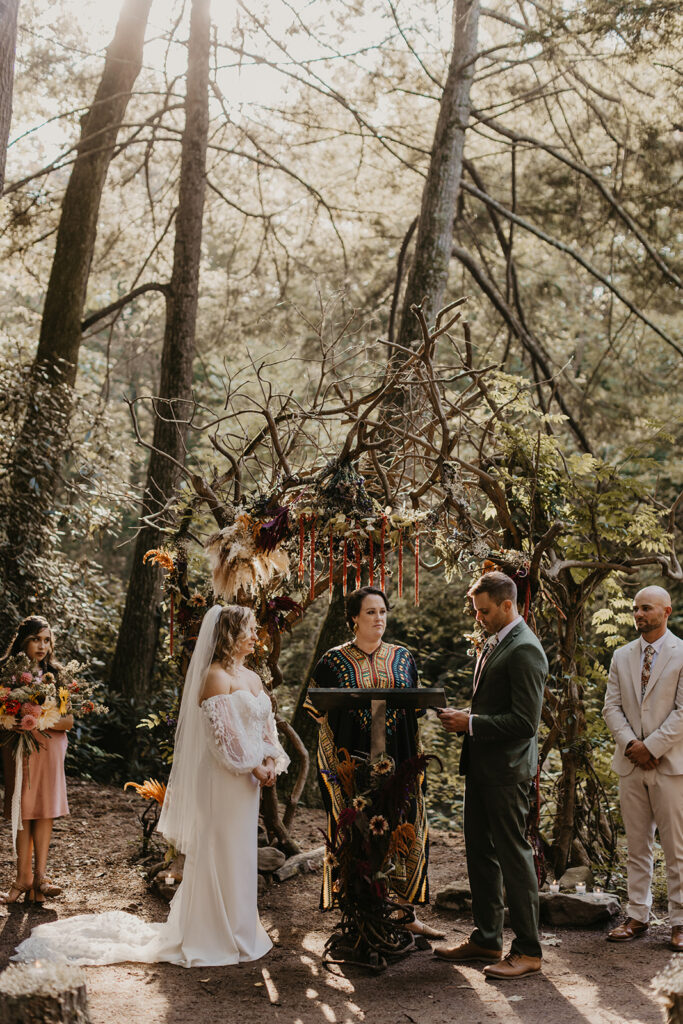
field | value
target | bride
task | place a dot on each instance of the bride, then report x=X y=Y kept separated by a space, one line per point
x=226 y=747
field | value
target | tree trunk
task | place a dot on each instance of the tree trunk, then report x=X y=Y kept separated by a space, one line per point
x=37 y=457
x=429 y=271
x=573 y=725
x=332 y=632
x=8 y=45
x=137 y=640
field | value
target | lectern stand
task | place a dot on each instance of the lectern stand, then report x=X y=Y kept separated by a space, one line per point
x=377 y=699
x=372 y=931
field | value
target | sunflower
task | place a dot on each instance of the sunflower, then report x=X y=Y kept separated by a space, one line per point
x=378 y=825
x=150 y=789
x=384 y=765
x=360 y=803
x=197 y=600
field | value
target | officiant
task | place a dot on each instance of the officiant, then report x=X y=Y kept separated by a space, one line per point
x=366 y=661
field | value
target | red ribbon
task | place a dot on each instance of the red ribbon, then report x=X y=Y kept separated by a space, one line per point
x=358 y=564
x=382 y=567
x=331 y=563
x=400 y=563
x=417 y=565
x=345 y=561
x=312 y=558
x=170 y=631
x=302 y=534
x=371 y=561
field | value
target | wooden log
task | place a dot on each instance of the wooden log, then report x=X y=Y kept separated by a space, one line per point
x=668 y=986
x=43 y=993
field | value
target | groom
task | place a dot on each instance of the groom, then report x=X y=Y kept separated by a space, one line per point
x=498 y=760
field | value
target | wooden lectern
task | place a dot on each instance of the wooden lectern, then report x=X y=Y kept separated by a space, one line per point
x=334 y=699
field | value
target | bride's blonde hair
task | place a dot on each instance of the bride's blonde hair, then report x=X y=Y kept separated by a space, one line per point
x=233 y=625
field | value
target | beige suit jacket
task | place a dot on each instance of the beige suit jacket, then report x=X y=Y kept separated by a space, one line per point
x=658 y=721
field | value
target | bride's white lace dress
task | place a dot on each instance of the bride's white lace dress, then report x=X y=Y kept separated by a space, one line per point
x=213 y=917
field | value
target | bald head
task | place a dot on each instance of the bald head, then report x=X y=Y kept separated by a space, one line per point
x=651 y=611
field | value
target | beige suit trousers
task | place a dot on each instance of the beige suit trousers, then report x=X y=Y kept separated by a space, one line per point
x=652 y=800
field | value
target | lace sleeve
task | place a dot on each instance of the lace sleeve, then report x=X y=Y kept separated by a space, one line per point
x=229 y=741
x=272 y=746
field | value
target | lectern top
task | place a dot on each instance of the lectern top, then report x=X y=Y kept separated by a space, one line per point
x=336 y=699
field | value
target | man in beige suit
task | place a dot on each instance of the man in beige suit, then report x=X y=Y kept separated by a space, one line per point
x=644 y=712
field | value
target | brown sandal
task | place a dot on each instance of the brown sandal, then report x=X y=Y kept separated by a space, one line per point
x=46 y=886
x=15 y=891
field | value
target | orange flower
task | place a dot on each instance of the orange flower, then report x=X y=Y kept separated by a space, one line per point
x=160 y=557
x=402 y=839
x=150 y=789
x=345 y=772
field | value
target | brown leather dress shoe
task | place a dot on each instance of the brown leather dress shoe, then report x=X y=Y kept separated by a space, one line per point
x=677 y=938
x=630 y=929
x=515 y=965
x=467 y=951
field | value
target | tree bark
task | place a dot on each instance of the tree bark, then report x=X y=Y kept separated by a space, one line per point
x=9 y=10
x=137 y=640
x=37 y=456
x=333 y=631
x=428 y=274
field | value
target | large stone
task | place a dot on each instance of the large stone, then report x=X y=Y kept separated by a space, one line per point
x=574 y=875
x=574 y=910
x=454 y=897
x=270 y=859
x=300 y=864
x=49 y=992
x=668 y=987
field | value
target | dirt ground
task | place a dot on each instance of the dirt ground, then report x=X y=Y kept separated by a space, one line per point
x=584 y=979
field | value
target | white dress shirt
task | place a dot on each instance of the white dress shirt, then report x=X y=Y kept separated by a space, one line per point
x=502 y=633
x=657 y=644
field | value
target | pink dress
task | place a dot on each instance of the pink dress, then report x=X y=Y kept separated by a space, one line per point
x=45 y=796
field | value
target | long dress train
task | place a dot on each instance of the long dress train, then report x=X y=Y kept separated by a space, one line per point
x=213 y=919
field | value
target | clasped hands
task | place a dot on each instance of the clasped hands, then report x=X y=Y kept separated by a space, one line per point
x=638 y=754
x=265 y=773
x=453 y=720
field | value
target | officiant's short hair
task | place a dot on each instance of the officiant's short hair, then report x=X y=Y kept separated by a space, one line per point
x=497 y=585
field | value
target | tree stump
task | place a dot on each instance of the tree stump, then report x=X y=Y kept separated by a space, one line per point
x=668 y=986
x=43 y=993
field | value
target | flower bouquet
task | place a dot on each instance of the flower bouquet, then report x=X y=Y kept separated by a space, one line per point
x=32 y=701
x=368 y=847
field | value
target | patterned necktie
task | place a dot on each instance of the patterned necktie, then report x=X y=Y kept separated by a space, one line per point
x=486 y=650
x=646 y=669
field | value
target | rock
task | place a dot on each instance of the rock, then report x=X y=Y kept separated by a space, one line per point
x=262 y=836
x=47 y=992
x=454 y=897
x=270 y=859
x=262 y=884
x=300 y=863
x=578 y=910
x=574 y=875
x=668 y=987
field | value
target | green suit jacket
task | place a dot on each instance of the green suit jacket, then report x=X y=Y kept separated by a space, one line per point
x=506 y=706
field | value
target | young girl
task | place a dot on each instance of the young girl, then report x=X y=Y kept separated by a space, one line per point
x=45 y=798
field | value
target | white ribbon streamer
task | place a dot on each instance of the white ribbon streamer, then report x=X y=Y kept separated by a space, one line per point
x=16 y=796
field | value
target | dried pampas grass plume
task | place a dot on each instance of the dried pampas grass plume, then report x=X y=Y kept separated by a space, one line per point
x=237 y=565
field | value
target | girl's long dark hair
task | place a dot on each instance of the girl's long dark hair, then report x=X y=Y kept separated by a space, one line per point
x=29 y=627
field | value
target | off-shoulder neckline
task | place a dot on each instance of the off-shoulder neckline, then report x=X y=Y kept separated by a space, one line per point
x=217 y=696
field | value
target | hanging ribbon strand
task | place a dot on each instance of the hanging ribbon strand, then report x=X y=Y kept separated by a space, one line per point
x=302 y=537
x=312 y=570
x=400 y=563
x=382 y=567
x=170 y=628
x=371 y=561
x=331 y=584
x=345 y=566
x=417 y=565
x=358 y=564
